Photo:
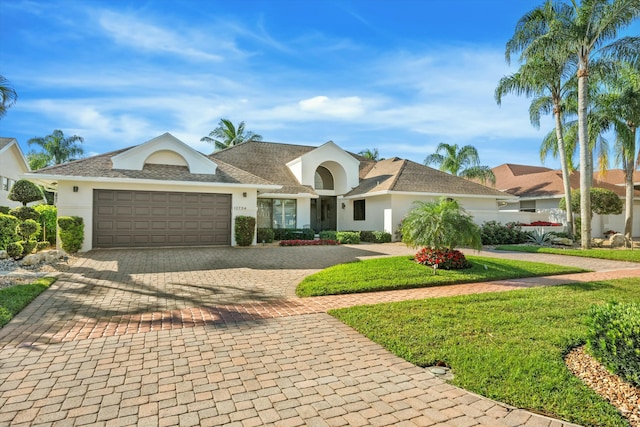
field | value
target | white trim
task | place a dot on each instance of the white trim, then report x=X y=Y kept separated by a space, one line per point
x=287 y=196
x=420 y=193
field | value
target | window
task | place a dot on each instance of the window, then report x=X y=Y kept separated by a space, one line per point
x=358 y=210
x=323 y=179
x=5 y=183
x=277 y=213
x=527 y=206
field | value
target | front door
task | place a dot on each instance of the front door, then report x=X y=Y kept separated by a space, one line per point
x=323 y=213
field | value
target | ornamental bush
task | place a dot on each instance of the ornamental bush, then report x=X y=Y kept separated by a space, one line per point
x=71 y=230
x=445 y=259
x=14 y=250
x=48 y=217
x=244 y=230
x=5 y=210
x=8 y=224
x=327 y=235
x=321 y=242
x=495 y=233
x=614 y=338
x=348 y=237
x=294 y=234
x=25 y=191
x=265 y=235
x=375 y=236
x=24 y=213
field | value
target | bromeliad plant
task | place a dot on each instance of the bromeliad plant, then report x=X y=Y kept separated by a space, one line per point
x=439 y=227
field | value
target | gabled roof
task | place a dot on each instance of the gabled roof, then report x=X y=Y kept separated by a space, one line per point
x=7 y=143
x=101 y=167
x=615 y=176
x=541 y=182
x=399 y=175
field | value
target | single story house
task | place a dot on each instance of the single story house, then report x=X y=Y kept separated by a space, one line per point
x=13 y=165
x=165 y=193
x=540 y=190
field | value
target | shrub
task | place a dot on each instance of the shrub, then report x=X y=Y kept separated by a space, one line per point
x=8 y=224
x=539 y=237
x=348 y=237
x=71 y=230
x=445 y=259
x=321 y=242
x=28 y=246
x=265 y=235
x=4 y=210
x=494 y=233
x=25 y=191
x=244 y=230
x=48 y=217
x=28 y=229
x=24 y=213
x=14 y=250
x=614 y=338
x=375 y=236
x=327 y=235
x=42 y=245
x=294 y=234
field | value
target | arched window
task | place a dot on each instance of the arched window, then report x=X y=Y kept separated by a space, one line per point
x=323 y=179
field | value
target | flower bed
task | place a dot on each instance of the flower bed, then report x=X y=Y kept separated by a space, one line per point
x=445 y=259
x=541 y=224
x=322 y=242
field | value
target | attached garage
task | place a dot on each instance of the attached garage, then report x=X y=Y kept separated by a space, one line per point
x=123 y=218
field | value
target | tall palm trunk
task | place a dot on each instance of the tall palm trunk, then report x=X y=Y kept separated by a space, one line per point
x=565 y=168
x=583 y=136
x=628 y=186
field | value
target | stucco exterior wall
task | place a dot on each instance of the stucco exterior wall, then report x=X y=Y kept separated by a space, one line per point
x=374 y=214
x=80 y=203
x=12 y=166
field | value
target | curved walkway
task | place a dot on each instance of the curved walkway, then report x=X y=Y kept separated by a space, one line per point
x=216 y=336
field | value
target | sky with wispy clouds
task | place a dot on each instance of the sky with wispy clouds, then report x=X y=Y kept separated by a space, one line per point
x=399 y=76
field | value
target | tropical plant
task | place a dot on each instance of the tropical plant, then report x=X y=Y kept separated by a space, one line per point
x=439 y=225
x=371 y=154
x=603 y=201
x=25 y=191
x=548 y=80
x=460 y=161
x=227 y=135
x=589 y=29
x=59 y=149
x=539 y=237
x=37 y=160
x=8 y=96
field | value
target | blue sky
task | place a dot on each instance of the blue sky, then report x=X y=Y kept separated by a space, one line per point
x=399 y=76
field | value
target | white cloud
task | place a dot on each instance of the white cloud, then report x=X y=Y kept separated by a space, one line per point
x=343 y=108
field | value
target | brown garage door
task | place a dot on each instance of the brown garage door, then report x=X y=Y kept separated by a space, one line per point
x=158 y=218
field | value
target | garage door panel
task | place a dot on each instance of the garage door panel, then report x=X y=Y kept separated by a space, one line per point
x=151 y=218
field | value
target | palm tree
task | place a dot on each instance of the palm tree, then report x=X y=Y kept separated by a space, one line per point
x=227 y=135
x=8 y=96
x=584 y=29
x=463 y=162
x=37 y=160
x=370 y=154
x=548 y=81
x=58 y=148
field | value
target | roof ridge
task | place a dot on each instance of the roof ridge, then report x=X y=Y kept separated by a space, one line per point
x=397 y=175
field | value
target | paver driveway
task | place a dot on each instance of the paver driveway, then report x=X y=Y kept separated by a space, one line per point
x=215 y=336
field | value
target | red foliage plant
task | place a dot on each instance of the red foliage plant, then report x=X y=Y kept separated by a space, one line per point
x=321 y=242
x=446 y=259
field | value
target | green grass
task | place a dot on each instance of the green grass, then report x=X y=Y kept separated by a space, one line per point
x=15 y=298
x=383 y=274
x=507 y=346
x=612 y=254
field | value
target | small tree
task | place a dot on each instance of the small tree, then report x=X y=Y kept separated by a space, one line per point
x=245 y=230
x=603 y=202
x=440 y=225
x=24 y=191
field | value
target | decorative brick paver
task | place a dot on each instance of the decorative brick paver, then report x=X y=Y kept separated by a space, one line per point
x=216 y=336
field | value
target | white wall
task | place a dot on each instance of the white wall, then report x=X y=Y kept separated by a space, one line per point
x=11 y=166
x=374 y=214
x=81 y=203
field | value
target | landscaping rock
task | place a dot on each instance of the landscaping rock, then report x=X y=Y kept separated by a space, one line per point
x=597 y=243
x=617 y=240
x=32 y=259
x=4 y=255
x=563 y=241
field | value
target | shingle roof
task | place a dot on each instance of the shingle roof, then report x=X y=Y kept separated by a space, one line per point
x=544 y=183
x=5 y=141
x=406 y=176
x=101 y=167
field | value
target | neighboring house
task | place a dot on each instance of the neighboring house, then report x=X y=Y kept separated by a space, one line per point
x=12 y=165
x=540 y=189
x=164 y=193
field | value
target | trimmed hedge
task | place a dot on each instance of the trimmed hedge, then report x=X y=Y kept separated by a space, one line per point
x=71 y=230
x=8 y=224
x=24 y=213
x=25 y=191
x=614 y=338
x=265 y=235
x=495 y=233
x=375 y=236
x=244 y=230
x=5 y=210
x=328 y=235
x=294 y=234
x=348 y=237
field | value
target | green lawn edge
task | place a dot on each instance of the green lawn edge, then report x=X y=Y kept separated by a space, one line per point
x=507 y=346
x=13 y=299
x=402 y=272
x=610 y=254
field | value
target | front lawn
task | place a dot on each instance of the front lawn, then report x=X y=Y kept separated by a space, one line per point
x=401 y=272
x=612 y=254
x=507 y=346
x=15 y=298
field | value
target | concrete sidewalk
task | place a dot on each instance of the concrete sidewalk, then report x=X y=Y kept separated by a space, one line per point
x=216 y=336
